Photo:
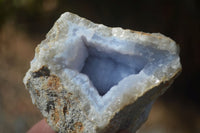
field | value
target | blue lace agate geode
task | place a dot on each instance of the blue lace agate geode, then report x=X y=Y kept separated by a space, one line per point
x=90 y=78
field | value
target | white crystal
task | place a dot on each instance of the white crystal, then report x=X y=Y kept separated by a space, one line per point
x=107 y=69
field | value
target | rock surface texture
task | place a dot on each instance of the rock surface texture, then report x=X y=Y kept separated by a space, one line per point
x=89 y=78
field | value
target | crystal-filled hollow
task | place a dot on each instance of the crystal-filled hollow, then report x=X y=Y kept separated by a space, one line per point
x=106 y=70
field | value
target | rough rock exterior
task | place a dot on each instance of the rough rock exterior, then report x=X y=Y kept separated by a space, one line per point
x=89 y=78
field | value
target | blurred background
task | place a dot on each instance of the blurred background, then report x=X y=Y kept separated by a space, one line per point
x=24 y=23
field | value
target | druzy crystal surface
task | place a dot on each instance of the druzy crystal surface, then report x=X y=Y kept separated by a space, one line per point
x=89 y=78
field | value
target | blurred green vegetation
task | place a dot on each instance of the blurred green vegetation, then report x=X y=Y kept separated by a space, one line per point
x=10 y=9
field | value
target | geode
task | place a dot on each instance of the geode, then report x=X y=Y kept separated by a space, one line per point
x=89 y=78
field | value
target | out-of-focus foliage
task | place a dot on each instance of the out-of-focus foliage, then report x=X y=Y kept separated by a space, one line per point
x=25 y=9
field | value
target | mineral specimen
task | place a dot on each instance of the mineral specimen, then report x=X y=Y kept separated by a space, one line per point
x=89 y=78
